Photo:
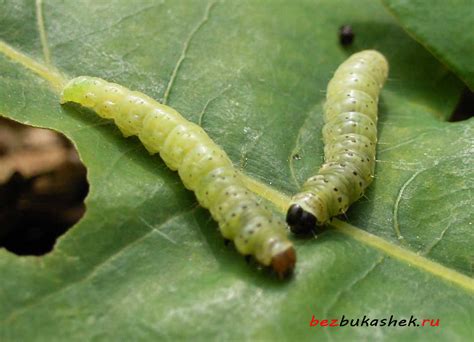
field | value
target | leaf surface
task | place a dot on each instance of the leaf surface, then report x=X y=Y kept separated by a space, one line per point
x=146 y=262
x=444 y=28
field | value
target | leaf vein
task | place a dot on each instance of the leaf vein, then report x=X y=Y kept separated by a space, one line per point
x=396 y=224
x=42 y=32
x=356 y=281
x=184 y=51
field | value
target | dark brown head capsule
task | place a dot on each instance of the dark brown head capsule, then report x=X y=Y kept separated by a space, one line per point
x=284 y=263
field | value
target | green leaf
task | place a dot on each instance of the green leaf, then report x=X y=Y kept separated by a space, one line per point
x=147 y=263
x=444 y=28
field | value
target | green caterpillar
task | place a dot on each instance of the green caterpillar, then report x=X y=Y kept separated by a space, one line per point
x=350 y=137
x=202 y=165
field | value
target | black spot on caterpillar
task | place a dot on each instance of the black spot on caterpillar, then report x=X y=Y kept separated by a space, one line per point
x=346 y=35
x=201 y=164
x=350 y=137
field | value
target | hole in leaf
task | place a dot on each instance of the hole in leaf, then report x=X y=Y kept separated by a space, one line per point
x=42 y=188
x=465 y=108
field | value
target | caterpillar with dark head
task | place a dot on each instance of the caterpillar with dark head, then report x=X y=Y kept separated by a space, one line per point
x=350 y=137
x=201 y=164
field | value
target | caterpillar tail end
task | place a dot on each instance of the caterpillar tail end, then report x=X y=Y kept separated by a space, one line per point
x=283 y=263
x=75 y=90
x=300 y=221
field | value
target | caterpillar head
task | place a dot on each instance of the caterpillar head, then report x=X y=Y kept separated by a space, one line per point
x=300 y=220
x=275 y=250
x=283 y=263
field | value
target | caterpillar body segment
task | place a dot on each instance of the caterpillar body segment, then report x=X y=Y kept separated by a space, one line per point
x=201 y=164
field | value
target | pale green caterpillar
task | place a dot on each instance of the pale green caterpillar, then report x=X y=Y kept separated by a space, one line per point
x=202 y=165
x=350 y=137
